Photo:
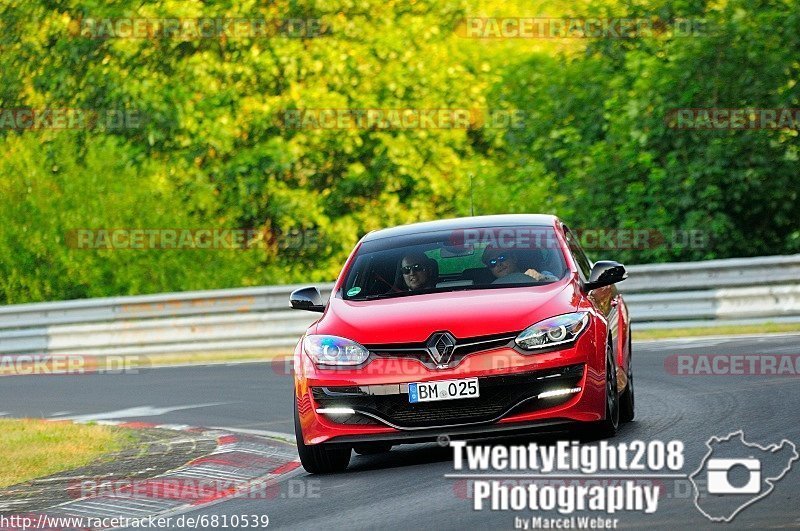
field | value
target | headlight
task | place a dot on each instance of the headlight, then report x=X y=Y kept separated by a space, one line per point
x=559 y=330
x=334 y=350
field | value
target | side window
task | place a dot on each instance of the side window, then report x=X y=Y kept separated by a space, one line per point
x=577 y=253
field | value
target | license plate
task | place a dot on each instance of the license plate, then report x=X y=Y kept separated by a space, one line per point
x=442 y=390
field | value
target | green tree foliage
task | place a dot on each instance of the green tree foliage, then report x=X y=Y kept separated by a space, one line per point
x=601 y=131
x=49 y=194
x=212 y=148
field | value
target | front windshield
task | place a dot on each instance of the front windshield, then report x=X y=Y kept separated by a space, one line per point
x=480 y=258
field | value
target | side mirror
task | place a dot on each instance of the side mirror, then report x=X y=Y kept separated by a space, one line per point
x=604 y=273
x=307 y=299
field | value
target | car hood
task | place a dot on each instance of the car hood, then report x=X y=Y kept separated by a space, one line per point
x=463 y=313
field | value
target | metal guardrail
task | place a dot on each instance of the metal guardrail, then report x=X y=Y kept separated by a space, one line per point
x=713 y=274
x=737 y=290
x=232 y=319
x=660 y=295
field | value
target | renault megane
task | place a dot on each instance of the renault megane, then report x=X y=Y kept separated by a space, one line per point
x=468 y=328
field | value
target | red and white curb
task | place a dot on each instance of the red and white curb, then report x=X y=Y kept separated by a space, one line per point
x=242 y=465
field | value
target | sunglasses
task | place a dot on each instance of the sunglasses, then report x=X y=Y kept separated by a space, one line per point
x=499 y=260
x=408 y=269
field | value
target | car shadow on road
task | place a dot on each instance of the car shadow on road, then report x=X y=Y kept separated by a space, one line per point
x=420 y=454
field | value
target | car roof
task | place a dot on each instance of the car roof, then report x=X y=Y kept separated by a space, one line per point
x=474 y=222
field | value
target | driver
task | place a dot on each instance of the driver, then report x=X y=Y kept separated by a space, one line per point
x=418 y=271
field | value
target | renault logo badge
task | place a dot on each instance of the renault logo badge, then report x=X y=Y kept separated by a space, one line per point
x=441 y=346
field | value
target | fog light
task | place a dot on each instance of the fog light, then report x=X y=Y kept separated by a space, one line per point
x=557 y=392
x=336 y=411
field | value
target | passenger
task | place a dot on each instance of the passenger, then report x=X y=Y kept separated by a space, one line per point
x=419 y=271
x=504 y=265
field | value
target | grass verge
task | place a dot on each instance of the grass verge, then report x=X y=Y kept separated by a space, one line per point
x=35 y=448
x=728 y=330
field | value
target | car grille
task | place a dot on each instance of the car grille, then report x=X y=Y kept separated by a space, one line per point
x=463 y=348
x=499 y=396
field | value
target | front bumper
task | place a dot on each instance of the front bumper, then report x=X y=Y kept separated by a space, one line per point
x=510 y=384
x=500 y=396
x=539 y=427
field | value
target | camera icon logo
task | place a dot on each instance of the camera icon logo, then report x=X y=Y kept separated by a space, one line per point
x=719 y=476
x=734 y=474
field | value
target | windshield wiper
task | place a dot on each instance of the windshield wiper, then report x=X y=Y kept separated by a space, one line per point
x=387 y=295
x=394 y=294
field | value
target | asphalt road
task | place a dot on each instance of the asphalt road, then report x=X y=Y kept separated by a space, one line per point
x=406 y=488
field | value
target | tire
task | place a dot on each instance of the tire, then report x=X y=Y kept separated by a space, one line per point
x=608 y=427
x=319 y=458
x=626 y=400
x=372 y=448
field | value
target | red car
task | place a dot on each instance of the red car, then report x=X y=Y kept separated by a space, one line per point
x=464 y=328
